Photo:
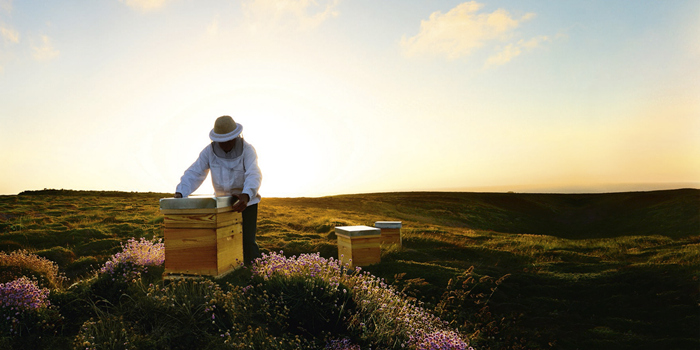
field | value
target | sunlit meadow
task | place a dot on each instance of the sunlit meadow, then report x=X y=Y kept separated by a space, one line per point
x=83 y=270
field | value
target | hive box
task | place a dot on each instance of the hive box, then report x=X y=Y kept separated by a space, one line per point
x=358 y=245
x=203 y=236
x=391 y=231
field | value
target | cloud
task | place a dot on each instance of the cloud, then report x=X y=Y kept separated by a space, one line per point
x=504 y=56
x=46 y=51
x=8 y=34
x=6 y=5
x=144 y=5
x=461 y=31
x=513 y=50
x=296 y=14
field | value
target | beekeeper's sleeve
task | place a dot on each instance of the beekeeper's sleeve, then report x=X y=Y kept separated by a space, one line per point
x=253 y=175
x=195 y=174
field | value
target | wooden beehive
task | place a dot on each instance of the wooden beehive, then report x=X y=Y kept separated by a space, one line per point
x=203 y=236
x=391 y=231
x=358 y=245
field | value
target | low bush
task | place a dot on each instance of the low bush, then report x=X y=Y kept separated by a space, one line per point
x=135 y=255
x=20 y=300
x=298 y=302
x=20 y=262
x=27 y=318
x=377 y=314
x=138 y=261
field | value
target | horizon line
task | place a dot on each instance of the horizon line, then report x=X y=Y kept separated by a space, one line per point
x=524 y=189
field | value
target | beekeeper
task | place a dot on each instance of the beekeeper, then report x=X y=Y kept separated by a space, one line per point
x=234 y=172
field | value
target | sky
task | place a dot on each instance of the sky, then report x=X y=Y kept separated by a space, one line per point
x=353 y=96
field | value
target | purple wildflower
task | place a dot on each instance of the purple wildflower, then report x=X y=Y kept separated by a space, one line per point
x=442 y=340
x=381 y=308
x=23 y=294
x=141 y=253
x=19 y=297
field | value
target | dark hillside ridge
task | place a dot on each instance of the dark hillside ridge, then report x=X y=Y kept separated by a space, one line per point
x=670 y=213
x=76 y=193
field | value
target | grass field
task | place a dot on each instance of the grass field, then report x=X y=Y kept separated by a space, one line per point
x=508 y=270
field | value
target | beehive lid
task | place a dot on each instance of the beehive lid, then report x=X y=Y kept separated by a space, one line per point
x=354 y=231
x=208 y=202
x=388 y=224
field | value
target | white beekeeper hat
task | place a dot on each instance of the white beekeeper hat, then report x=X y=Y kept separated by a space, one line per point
x=225 y=129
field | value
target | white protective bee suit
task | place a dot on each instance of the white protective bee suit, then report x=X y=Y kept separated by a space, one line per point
x=232 y=172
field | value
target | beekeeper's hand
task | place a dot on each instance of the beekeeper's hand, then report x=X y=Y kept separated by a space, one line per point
x=242 y=202
x=178 y=195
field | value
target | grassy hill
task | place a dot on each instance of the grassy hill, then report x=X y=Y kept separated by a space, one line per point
x=514 y=271
x=672 y=213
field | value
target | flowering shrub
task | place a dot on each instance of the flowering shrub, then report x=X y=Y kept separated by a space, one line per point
x=18 y=299
x=381 y=315
x=45 y=269
x=142 y=252
x=389 y=317
x=23 y=293
x=135 y=257
x=306 y=265
x=294 y=298
x=139 y=260
x=442 y=340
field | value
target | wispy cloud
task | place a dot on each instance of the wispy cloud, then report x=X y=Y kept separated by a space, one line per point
x=511 y=51
x=144 y=5
x=463 y=30
x=45 y=51
x=288 y=14
x=9 y=35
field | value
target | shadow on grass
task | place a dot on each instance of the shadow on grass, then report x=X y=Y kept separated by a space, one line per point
x=635 y=307
x=427 y=249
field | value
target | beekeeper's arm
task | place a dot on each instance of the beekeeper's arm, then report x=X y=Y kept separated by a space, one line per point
x=253 y=176
x=194 y=175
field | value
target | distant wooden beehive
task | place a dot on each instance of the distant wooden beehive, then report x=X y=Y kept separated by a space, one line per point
x=358 y=245
x=391 y=231
x=203 y=236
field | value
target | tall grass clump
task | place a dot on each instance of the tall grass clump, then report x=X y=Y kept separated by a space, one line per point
x=21 y=262
x=466 y=303
x=182 y=314
x=372 y=313
x=107 y=332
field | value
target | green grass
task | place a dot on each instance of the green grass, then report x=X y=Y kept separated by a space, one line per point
x=603 y=271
